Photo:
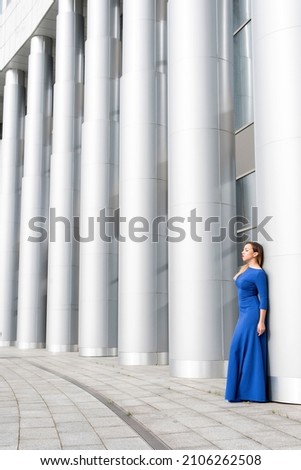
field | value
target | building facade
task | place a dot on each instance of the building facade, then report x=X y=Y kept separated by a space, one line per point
x=143 y=142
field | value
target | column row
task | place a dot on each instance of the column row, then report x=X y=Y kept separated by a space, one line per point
x=95 y=271
x=88 y=202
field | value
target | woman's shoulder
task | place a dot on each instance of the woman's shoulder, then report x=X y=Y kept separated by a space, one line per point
x=260 y=273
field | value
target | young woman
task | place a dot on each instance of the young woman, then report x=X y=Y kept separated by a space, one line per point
x=247 y=369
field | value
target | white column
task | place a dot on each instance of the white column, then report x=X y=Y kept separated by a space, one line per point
x=31 y=328
x=98 y=314
x=277 y=97
x=202 y=258
x=143 y=180
x=62 y=297
x=10 y=185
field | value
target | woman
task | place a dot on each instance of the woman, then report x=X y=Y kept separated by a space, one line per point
x=247 y=367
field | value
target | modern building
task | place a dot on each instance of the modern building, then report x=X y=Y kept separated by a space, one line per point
x=142 y=143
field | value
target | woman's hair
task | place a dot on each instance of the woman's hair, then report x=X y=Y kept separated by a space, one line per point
x=257 y=248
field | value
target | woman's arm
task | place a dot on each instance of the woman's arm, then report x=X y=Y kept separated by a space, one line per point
x=261 y=323
x=262 y=287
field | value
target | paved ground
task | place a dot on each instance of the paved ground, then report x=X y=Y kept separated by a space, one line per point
x=63 y=401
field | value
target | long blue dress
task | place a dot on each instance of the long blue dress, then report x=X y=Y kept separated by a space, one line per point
x=247 y=368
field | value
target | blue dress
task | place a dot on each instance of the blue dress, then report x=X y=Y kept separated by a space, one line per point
x=247 y=368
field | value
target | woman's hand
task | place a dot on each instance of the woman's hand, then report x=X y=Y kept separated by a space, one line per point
x=260 y=328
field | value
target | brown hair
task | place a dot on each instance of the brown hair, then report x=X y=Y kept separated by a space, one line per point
x=257 y=248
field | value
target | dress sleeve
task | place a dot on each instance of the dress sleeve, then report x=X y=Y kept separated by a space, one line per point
x=262 y=287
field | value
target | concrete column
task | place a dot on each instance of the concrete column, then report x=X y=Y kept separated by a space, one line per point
x=31 y=330
x=62 y=300
x=202 y=256
x=277 y=96
x=143 y=185
x=10 y=186
x=98 y=314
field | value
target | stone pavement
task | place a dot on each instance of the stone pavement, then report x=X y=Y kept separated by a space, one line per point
x=64 y=401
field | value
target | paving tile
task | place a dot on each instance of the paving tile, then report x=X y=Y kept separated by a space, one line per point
x=79 y=439
x=105 y=421
x=131 y=402
x=130 y=443
x=236 y=444
x=68 y=417
x=237 y=422
x=271 y=419
x=74 y=426
x=9 y=411
x=248 y=428
x=8 y=447
x=198 y=405
x=98 y=446
x=35 y=413
x=184 y=439
x=39 y=444
x=162 y=425
x=275 y=439
x=216 y=433
x=6 y=403
x=140 y=410
x=291 y=429
x=7 y=428
x=58 y=409
x=36 y=422
x=293 y=414
x=98 y=412
x=38 y=433
x=102 y=412
x=115 y=432
x=8 y=439
x=196 y=421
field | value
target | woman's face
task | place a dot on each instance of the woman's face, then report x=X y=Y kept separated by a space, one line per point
x=248 y=253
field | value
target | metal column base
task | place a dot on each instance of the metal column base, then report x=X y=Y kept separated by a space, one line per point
x=25 y=345
x=56 y=348
x=5 y=344
x=100 y=352
x=143 y=359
